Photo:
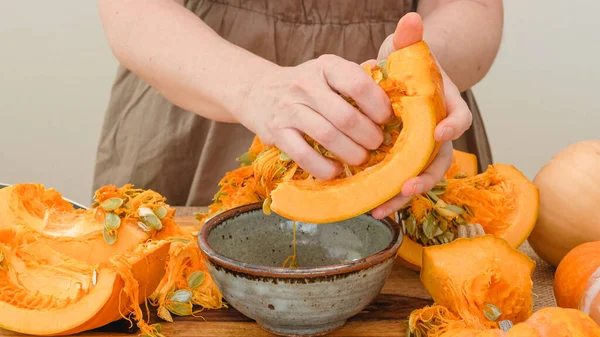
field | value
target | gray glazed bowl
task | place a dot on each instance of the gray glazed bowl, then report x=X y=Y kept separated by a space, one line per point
x=342 y=267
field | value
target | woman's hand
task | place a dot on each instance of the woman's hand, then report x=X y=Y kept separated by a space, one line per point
x=287 y=102
x=458 y=120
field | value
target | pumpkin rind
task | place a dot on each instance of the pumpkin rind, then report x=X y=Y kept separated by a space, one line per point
x=577 y=280
x=568 y=201
x=522 y=219
x=416 y=95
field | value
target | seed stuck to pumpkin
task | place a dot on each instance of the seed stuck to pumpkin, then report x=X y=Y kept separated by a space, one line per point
x=94 y=277
x=195 y=279
x=160 y=212
x=181 y=295
x=164 y=313
x=491 y=312
x=505 y=325
x=266 y=207
x=112 y=221
x=149 y=218
x=284 y=157
x=109 y=236
x=111 y=204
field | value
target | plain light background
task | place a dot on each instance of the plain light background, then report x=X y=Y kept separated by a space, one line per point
x=57 y=69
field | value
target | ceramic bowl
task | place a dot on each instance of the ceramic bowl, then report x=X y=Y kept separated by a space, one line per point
x=342 y=267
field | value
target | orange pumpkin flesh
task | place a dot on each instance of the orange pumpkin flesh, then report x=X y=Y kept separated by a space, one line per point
x=466 y=278
x=58 y=290
x=54 y=247
x=546 y=322
x=414 y=86
x=515 y=225
x=462 y=163
x=577 y=280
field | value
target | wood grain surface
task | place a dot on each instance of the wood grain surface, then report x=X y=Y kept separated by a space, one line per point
x=384 y=317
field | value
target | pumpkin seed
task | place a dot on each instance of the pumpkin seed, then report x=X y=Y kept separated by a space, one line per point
x=438 y=190
x=387 y=138
x=443 y=224
x=1 y=257
x=432 y=196
x=460 y=220
x=160 y=212
x=111 y=204
x=460 y=175
x=383 y=67
x=195 y=279
x=180 y=309
x=110 y=237
x=454 y=208
x=491 y=312
x=112 y=221
x=446 y=237
x=94 y=277
x=266 y=206
x=429 y=227
x=143 y=226
x=149 y=218
x=157 y=326
x=246 y=159
x=468 y=210
x=195 y=233
x=164 y=314
x=411 y=225
x=284 y=157
x=182 y=240
x=181 y=296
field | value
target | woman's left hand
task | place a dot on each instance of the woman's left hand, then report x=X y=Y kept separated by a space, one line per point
x=458 y=120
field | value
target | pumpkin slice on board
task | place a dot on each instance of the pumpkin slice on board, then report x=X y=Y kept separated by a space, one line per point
x=474 y=283
x=128 y=239
x=500 y=201
x=413 y=82
x=44 y=292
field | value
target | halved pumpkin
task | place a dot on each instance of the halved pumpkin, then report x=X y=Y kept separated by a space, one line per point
x=501 y=199
x=44 y=292
x=413 y=83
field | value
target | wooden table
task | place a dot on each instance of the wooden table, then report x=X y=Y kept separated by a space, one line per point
x=385 y=317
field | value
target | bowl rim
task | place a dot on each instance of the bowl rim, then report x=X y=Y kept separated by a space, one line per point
x=213 y=256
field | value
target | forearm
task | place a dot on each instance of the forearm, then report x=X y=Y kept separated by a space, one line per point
x=464 y=35
x=179 y=55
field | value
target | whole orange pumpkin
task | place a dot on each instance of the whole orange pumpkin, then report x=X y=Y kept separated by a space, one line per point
x=569 y=201
x=577 y=280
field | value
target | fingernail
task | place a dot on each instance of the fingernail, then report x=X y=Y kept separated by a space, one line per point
x=446 y=133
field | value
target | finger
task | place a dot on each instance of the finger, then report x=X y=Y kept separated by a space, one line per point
x=352 y=81
x=326 y=134
x=390 y=206
x=459 y=117
x=346 y=118
x=432 y=174
x=409 y=30
x=371 y=62
x=293 y=143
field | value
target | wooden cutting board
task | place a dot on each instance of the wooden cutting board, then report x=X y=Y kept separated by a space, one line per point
x=384 y=317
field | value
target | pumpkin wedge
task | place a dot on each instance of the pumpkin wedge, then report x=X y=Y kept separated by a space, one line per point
x=502 y=200
x=82 y=269
x=414 y=85
x=44 y=292
x=463 y=164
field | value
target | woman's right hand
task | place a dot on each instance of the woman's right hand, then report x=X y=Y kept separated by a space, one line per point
x=288 y=102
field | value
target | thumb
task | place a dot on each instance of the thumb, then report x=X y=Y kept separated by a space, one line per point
x=408 y=31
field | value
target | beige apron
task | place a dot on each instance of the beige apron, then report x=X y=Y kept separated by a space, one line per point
x=151 y=143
